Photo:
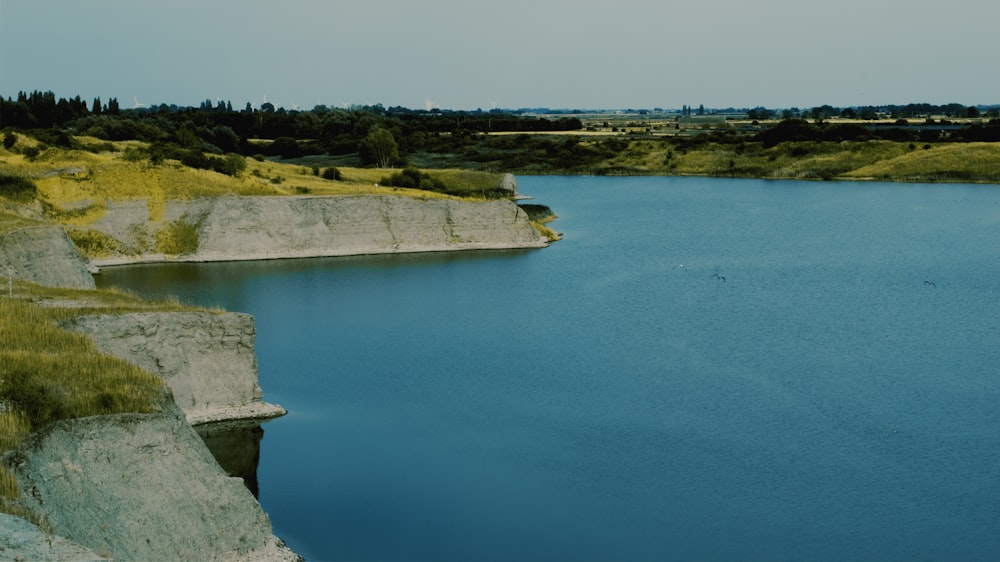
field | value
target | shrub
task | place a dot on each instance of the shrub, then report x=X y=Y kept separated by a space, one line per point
x=31 y=152
x=9 y=140
x=94 y=244
x=177 y=238
x=133 y=155
x=17 y=188
x=231 y=164
x=413 y=178
x=331 y=174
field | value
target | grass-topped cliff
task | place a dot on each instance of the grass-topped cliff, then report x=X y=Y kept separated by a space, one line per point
x=91 y=170
x=74 y=185
x=49 y=374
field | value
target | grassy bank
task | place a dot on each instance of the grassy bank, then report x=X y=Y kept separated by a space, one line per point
x=73 y=186
x=75 y=182
x=712 y=155
x=48 y=373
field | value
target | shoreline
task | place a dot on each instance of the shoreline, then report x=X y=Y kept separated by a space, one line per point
x=97 y=264
x=206 y=359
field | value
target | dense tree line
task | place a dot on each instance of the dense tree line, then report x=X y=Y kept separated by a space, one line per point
x=208 y=135
x=217 y=128
x=797 y=130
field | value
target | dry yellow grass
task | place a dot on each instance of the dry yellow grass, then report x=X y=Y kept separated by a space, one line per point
x=970 y=161
x=880 y=160
x=77 y=183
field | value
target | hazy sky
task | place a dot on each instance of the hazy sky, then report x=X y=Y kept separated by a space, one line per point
x=467 y=54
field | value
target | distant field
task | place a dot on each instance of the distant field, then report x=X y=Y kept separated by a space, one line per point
x=596 y=154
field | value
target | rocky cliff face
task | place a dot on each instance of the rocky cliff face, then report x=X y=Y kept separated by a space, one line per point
x=20 y=540
x=207 y=359
x=250 y=228
x=141 y=487
x=43 y=255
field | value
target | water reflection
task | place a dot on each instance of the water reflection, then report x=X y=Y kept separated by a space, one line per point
x=236 y=447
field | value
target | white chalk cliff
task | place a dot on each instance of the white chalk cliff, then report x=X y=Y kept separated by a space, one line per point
x=253 y=228
x=144 y=486
x=207 y=359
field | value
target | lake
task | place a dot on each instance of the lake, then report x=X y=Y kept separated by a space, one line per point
x=703 y=369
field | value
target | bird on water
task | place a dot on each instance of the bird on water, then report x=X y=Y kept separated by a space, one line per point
x=719 y=277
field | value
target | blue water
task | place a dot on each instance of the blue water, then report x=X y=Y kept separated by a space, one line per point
x=836 y=397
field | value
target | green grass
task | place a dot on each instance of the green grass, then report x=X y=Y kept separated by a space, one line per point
x=878 y=160
x=177 y=238
x=972 y=162
x=48 y=373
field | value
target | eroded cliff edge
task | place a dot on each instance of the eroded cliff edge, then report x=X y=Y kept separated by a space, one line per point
x=43 y=255
x=253 y=228
x=206 y=358
x=136 y=486
x=142 y=487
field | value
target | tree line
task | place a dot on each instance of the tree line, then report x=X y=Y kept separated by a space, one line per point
x=202 y=136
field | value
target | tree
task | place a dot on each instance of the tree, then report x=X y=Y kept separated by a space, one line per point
x=379 y=148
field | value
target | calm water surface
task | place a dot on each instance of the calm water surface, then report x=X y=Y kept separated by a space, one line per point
x=835 y=397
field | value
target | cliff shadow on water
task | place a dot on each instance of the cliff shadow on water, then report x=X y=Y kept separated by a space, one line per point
x=236 y=447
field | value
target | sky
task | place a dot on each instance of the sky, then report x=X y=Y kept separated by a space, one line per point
x=469 y=54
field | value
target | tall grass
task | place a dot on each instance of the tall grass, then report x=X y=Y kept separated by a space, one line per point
x=949 y=162
x=881 y=160
x=178 y=237
x=48 y=373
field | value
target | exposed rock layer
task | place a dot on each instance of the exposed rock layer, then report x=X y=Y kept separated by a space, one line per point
x=207 y=359
x=43 y=255
x=251 y=228
x=20 y=540
x=142 y=487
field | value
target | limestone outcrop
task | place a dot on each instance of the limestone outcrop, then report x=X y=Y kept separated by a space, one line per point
x=252 y=228
x=20 y=540
x=141 y=487
x=43 y=255
x=207 y=359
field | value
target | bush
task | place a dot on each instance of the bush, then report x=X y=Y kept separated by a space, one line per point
x=95 y=244
x=231 y=164
x=133 y=155
x=31 y=152
x=331 y=174
x=177 y=238
x=9 y=140
x=413 y=178
x=17 y=188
